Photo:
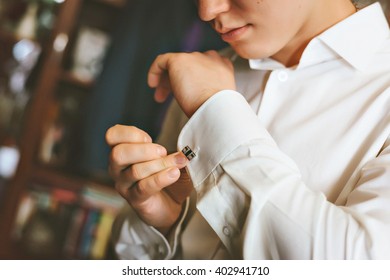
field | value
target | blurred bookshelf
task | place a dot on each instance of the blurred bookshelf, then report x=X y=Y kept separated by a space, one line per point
x=52 y=51
x=54 y=222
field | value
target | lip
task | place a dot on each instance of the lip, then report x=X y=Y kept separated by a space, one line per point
x=233 y=34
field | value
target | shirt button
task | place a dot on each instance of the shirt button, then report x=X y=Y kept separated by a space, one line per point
x=283 y=76
x=226 y=231
x=161 y=251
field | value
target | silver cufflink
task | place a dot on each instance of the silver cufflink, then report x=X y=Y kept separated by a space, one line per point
x=188 y=153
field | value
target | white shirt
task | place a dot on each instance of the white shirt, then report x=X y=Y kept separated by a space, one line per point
x=295 y=164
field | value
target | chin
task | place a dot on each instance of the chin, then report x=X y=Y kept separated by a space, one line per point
x=251 y=51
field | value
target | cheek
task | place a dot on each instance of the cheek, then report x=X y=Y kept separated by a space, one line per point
x=275 y=23
x=270 y=35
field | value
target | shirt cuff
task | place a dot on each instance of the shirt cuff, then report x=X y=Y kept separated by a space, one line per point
x=220 y=125
x=137 y=240
x=172 y=240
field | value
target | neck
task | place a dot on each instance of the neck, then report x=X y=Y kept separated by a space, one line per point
x=318 y=22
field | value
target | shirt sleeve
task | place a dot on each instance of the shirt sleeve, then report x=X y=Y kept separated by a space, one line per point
x=254 y=198
x=135 y=240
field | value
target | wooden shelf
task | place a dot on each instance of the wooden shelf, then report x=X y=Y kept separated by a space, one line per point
x=8 y=36
x=12 y=37
x=52 y=175
x=114 y=3
x=44 y=174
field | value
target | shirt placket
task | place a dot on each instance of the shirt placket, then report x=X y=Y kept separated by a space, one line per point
x=276 y=86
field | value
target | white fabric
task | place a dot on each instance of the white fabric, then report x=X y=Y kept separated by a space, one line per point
x=296 y=163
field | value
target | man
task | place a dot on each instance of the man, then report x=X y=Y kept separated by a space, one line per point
x=287 y=144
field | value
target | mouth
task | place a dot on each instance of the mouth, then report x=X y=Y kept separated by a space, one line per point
x=232 y=34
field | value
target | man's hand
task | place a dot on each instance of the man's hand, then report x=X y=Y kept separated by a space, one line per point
x=148 y=178
x=191 y=77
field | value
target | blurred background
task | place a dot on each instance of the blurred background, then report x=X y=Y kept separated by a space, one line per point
x=69 y=70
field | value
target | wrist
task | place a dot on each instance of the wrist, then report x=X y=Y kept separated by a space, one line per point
x=167 y=230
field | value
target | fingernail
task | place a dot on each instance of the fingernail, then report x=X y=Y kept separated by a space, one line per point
x=180 y=159
x=174 y=173
x=161 y=151
x=147 y=139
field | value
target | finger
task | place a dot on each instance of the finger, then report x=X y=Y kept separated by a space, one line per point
x=157 y=69
x=181 y=189
x=126 y=134
x=215 y=55
x=142 y=170
x=123 y=155
x=163 y=90
x=151 y=185
x=212 y=53
x=158 y=77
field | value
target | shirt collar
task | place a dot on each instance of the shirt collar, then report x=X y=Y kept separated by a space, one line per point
x=354 y=39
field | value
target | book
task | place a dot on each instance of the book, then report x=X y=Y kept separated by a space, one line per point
x=98 y=197
x=74 y=224
x=24 y=213
x=74 y=232
x=88 y=234
x=103 y=232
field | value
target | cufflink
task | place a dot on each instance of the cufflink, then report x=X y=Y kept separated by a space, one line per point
x=188 y=153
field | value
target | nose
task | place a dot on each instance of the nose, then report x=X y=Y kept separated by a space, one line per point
x=210 y=9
